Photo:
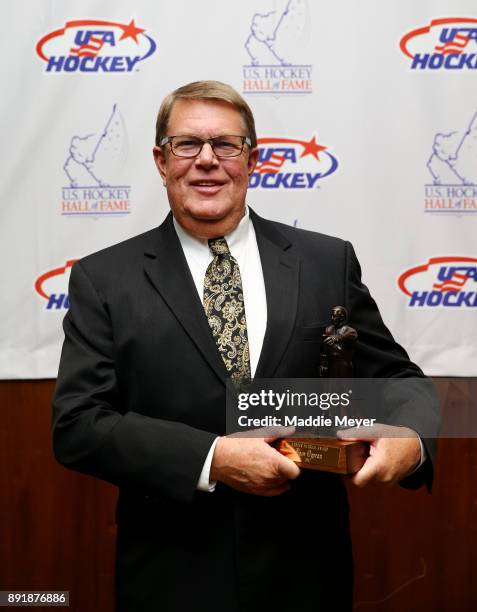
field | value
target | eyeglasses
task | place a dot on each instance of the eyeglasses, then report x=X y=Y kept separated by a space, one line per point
x=191 y=146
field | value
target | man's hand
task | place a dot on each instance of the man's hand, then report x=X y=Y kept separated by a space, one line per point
x=251 y=465
x=394 y=453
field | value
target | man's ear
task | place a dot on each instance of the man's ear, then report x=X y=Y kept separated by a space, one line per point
x=160 y=159
x=252 y=160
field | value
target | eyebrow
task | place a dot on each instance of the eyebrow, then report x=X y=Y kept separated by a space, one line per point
x=180 y=133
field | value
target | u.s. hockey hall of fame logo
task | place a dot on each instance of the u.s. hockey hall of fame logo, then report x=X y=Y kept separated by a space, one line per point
x=274 y=47
x=92 y=167
x=453 y=169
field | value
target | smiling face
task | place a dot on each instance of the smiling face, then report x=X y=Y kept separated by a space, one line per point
x=206 y=194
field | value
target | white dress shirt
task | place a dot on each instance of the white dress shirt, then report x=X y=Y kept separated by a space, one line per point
x=243 y=247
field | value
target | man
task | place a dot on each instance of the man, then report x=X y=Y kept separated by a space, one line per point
x=208 y=522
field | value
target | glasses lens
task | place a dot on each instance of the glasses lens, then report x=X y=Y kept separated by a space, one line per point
x=186 y=146
x=227 y=146
x=223 y=146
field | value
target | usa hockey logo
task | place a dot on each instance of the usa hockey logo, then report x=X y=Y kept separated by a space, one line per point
x=452 y=166
x=448 y=282
x=274 y=50
x=52 y=286
x=449 y=43
x=88 y=45
x=287 y=163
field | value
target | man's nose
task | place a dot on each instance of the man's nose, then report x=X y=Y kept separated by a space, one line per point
x=207 y=156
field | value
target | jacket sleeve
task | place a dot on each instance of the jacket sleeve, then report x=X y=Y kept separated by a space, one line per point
x=92 y=434
x=379 y=356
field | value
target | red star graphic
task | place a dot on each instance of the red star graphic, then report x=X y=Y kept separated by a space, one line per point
x=131 y=31
x=312 y=148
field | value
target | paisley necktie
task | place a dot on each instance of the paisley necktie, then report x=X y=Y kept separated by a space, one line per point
x=225 y=309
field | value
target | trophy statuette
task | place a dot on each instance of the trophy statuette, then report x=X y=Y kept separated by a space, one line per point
x=331 y=454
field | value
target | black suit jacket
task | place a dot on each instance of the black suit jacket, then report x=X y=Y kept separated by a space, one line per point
x=141 y=397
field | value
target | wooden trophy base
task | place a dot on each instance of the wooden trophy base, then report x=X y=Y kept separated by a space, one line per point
x=325 y=454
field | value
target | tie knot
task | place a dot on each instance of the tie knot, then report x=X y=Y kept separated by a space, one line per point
x=219 y=246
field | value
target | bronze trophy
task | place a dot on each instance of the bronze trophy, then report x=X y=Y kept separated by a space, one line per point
x=331 y=454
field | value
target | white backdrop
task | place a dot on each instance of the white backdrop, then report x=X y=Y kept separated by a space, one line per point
x=366 y=114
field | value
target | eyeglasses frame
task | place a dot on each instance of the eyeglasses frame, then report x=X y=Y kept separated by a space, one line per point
x=168 y=140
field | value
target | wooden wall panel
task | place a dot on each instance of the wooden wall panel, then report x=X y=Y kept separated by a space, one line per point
x=413 y=551
x=57 y=527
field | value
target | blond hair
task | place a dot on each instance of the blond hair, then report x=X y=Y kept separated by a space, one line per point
x=205 y=90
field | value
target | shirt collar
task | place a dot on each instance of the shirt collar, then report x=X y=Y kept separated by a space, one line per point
x=236 y=239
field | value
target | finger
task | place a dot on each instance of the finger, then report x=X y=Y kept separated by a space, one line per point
x=378 y=430
x=274 y=491
x=366 y=474
x=275 y=433
x=288 y=468
x=269 y=434
x=365 y=433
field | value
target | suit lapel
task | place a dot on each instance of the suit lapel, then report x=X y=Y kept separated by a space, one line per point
x=166 y=267
x=281 y=275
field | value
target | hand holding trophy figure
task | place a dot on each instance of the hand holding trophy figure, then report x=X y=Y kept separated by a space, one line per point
x=331 y=454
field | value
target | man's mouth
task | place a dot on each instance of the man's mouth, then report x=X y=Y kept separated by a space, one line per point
x=207 y=187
